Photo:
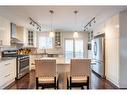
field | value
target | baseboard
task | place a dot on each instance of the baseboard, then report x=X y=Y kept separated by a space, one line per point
x=10 y=85
x=112 y=84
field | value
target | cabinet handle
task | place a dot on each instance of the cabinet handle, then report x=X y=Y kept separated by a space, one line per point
x=7 y=75
x=7 y=64
x=93 y=63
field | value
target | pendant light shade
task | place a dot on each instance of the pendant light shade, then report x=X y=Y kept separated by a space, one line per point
x=51 y=33
x=75 y=34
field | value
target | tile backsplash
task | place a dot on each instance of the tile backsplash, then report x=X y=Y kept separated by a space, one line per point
x=7 y=48
x=51 y=51
x=1 y=43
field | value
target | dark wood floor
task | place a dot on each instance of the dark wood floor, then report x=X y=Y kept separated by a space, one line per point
x=28 y=82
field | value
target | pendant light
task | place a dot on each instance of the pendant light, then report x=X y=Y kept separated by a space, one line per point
x=51 y=33
x=75 y=34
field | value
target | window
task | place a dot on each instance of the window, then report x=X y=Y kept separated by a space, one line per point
x=73 y=49
x=45 y=42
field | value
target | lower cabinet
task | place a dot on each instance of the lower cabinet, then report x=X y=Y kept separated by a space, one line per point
x=32 y=62
x=7 y=72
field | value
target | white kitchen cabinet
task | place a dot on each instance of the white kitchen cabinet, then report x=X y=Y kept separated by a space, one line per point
x=58 y=36
x=7 y=72
x=29 y=38
x=5 y=31
x=20 y=33
x=32 y=61
x=89 y=54
x=99 y=30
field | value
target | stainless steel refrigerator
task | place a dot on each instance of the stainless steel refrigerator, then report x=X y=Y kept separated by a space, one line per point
x=98 y=55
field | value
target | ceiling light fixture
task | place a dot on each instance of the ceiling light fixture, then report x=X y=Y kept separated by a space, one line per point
x=51 y=33
x=33 y=23
x=75 y=34
x=89 y=24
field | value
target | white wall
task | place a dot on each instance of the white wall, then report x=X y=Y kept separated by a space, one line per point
x=123 y=50
x=109 y=27
x=112 y=49
x=116 y=49
x=20 y=33
x=66 y=35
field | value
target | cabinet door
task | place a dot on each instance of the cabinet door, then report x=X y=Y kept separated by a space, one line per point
x=5 y=31
x=58 y=36
x=99 y=30
x=1 y=68
x=2 y=82
x=7 y=72
x=32 y=62
x=12 y=68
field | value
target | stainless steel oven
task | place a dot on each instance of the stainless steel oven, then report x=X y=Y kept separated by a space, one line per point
x=22 y=66
x=22 y=62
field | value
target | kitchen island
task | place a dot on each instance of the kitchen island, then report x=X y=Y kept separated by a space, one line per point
x=60 y=62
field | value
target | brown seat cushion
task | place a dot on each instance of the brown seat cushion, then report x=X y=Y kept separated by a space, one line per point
x=46 y=79
x=79 y=79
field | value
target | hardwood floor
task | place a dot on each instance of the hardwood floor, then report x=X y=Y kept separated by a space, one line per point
x=28 y=82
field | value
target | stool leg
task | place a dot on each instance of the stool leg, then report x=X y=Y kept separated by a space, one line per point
x=36 y=83
x=87 y=82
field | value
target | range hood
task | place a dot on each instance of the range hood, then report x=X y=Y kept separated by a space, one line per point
x=14 y=40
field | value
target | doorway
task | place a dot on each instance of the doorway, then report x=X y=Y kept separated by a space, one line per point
x=73 y=49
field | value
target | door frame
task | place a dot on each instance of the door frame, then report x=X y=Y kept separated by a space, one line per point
x=73 y=46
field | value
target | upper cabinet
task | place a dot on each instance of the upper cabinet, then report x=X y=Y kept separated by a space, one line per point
x=58 y=36
x=99 y=29
x=20 y=33
x=90 y=36
x=5 y=34
x=29 y=38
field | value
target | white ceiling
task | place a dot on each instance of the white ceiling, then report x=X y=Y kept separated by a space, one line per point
x=63 y=17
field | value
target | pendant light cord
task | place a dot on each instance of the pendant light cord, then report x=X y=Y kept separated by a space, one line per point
x=52 y=12
x=75 y=20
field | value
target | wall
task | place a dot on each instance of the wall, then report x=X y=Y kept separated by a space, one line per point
x=109 y=27
x=66 y=35
x=19 y=33
x=123 y=50
x=112 y=49
x=53 y=50
x=25 y=37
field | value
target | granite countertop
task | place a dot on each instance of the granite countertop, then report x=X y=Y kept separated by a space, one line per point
x=6 y=58
x=59 y=60
x=46 y=53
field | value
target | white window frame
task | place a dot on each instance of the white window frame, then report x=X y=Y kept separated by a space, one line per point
x=74 y=45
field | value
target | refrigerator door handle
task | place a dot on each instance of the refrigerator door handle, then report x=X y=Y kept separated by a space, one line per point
x=93 y=63
x=95 y=48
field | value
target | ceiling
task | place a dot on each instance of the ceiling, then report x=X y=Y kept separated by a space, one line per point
x=63 y=18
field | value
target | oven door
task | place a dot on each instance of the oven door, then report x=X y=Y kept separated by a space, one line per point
x=23 y=67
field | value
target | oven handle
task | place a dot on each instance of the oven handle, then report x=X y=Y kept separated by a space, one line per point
x=23 y=59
